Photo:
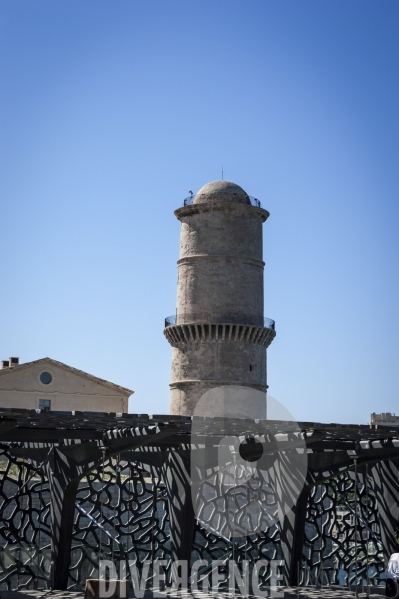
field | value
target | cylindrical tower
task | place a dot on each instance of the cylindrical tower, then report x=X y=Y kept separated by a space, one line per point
x=219 y=335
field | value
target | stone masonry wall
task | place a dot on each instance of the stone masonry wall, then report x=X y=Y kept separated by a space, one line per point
x=220 y=280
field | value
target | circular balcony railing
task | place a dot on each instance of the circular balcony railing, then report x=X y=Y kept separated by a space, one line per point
x=190 y=199
x=247 y=319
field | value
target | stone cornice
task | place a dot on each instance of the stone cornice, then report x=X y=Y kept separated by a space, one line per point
x=247 y=259
x=204 y=332
x=218 y=206
x=215 y=383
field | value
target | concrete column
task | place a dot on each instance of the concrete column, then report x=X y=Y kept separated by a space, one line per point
x=176 y=472
x=65 y=468
x=385 y=476
x=292 y=536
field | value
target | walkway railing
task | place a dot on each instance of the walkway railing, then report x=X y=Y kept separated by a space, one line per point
x=248 y=319
x=253 y=201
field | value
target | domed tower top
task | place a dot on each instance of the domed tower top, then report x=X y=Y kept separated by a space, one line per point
x=224 y=191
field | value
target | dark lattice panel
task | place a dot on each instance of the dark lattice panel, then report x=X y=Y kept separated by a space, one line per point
x=336 y=551
x=132 y=507
x=210 y=548
x=229 y=507
x=24 y=525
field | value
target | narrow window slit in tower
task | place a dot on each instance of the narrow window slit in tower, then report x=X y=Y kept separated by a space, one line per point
x=250 y=367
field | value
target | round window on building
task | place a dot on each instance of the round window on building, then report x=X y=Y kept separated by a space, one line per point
x=46 y=378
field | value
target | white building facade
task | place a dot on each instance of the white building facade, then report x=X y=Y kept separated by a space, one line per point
x=52 y=385
x=384 y=419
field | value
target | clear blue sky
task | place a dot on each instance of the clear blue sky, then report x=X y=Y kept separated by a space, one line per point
x=111 y=111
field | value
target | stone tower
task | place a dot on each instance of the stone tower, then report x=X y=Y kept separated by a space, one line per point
x=219 y=335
